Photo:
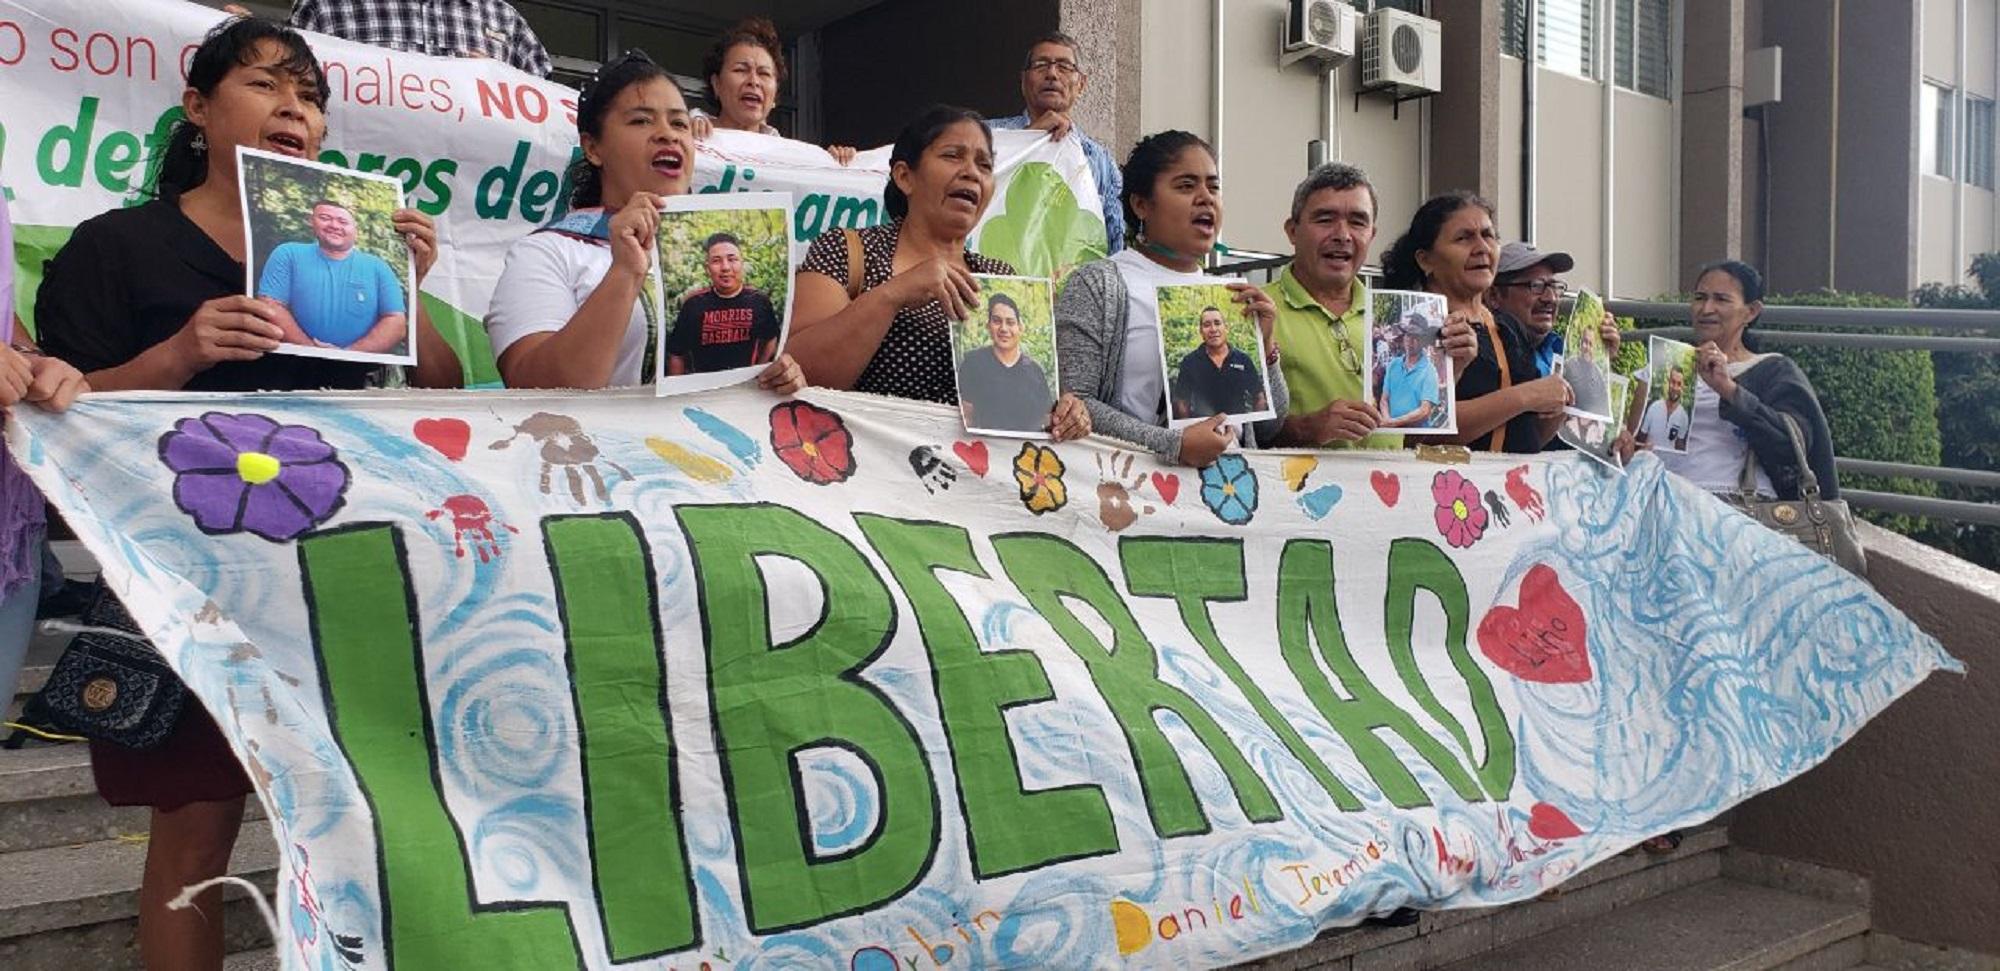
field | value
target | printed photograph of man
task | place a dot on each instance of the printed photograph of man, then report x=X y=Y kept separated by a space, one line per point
x=1665 y=425
x=727 y=324
x=1411 y=395
x=333 y=293
x=1001 y=387
x=1216 y=378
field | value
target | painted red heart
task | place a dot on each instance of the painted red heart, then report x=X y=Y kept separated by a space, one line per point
x=1543 y=639
x=973 y=454
x=448 y=435
x=1387 y=486
x=1547 y=822
x=1168 y=485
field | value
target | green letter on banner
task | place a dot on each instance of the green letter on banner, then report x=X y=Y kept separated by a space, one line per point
x=1047 y=570
x=1416 y=564
x=1008 y=829
x=771 y=701
x=1195 y=571
x=363 y=616
x=607 y=595
x=1307 y=612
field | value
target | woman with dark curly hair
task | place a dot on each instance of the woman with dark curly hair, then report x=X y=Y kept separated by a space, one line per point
x=1452 y=249
x=744 y=69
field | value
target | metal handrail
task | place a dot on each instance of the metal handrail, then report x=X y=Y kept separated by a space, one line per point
x=1956 y=510
x=1934 y=473
x=1923 y=318
x=1866 y=342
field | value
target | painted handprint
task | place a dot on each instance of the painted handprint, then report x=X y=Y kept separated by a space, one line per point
x=1523 y=494
x=1114 y=496
x=1499 y=507
x=932 y=469
x=564 y=443
x=471 y=521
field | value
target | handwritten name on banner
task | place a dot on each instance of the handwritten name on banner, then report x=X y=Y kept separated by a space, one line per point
x=546 y=680
x=89 y=91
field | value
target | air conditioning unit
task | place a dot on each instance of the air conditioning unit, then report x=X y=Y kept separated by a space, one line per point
x=1319 y=30
x=1400 y=53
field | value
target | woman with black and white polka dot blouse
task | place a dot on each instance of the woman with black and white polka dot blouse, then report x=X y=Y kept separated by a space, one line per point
x=893 y=335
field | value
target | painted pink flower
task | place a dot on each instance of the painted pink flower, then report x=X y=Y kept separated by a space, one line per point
x=1461 y=519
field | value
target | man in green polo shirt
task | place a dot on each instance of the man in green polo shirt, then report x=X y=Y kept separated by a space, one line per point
x=1323 y=313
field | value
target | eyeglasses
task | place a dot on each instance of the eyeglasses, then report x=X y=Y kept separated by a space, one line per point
x=1541 y=287
x=1062 y=67
x=1349 y=357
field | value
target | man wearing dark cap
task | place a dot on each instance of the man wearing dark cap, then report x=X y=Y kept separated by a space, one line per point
x=1518 y=353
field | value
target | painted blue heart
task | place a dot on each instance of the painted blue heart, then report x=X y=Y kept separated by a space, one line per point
x=1320 y=501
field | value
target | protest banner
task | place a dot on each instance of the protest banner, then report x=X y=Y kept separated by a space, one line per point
x=89 y=91
x=584 y=680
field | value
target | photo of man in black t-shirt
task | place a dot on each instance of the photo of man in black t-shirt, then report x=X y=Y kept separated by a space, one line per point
x=727 y=324
x=1215 y=378
x=1000 y=387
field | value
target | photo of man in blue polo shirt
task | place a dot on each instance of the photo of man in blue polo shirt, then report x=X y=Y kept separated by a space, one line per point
x=336 y=295
x=1411 y=395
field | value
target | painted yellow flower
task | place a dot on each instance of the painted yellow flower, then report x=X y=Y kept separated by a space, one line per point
x=1038 y=470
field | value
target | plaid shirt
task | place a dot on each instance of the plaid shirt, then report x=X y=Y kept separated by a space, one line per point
x=447 y=28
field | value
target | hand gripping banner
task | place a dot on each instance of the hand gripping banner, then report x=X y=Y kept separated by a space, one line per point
x=539 y=681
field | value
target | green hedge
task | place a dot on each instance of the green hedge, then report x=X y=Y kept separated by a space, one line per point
x=1968 y=413
x=1882 y=405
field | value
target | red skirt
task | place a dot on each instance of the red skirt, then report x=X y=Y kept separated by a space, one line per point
x=194 y=764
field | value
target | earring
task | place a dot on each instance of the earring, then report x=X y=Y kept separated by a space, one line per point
x=200 y=143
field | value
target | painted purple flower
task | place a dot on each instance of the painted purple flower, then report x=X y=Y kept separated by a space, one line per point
x=246 y=472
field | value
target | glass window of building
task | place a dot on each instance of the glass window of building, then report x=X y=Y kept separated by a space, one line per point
x=1567 y=35
x=1566 y=31
x=1934 y=141
x=1641 y=57
x=1979 y=141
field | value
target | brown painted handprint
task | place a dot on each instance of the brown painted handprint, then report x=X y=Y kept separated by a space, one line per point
x=1114 y=497
x=564 y=443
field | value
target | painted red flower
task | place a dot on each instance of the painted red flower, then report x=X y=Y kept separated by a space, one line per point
x=813 y=442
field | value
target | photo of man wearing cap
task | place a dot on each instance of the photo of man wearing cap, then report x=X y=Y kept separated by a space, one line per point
x=1525 y=298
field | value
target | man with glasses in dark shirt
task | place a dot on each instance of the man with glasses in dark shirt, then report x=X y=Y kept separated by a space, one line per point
x=1526 y=300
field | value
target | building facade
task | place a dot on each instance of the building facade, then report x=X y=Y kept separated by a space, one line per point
x=1835 y=143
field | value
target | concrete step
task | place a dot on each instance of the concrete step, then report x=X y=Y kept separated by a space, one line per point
x=71 y=907
x=1720 y=925
x=47 y=798
x=1442 y=937
x=262 y=959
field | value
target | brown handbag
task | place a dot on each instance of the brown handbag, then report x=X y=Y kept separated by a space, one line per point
x=1824 y=525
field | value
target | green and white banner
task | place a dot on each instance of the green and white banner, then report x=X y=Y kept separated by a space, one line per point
x=729 y=681
x=89 y=90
